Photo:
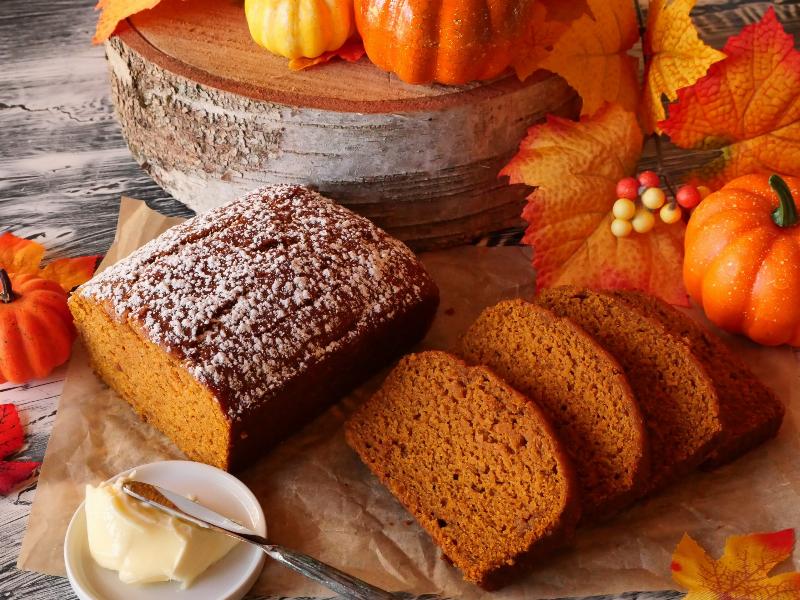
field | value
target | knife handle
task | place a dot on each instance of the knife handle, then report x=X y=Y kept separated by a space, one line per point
x=332 y=578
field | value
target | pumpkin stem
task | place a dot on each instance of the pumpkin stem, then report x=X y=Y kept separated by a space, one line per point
x=6 y=293
x=786 y=213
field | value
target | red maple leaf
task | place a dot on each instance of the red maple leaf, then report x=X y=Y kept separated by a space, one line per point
x=11 y=435
x=13 y=473
x=746 y=106
x=351 y=51
x=11 y=440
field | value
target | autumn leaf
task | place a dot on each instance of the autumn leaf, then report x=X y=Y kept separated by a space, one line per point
x=676 y=56
x=114 y=11
x=11 y=435
x=11 y=439
x=18 y=255
x=576 y=166
x=13 y=473
x=548 y=24
x=592 y=55
x=742 y=573
x=746 y=106
x=351 y=51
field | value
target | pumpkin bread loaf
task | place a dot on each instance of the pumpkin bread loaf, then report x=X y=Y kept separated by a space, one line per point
x=475 y=462
x=580 y=386
x=230 y=331
x=677 y=396
x=750 y=411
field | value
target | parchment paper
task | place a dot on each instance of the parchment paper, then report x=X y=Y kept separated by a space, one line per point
x=320 y=499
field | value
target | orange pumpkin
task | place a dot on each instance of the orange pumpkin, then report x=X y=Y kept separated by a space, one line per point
x=36 y=329
x=742 y=259
x=449 y=42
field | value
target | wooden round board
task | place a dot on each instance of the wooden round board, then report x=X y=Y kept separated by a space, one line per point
x=211 y=115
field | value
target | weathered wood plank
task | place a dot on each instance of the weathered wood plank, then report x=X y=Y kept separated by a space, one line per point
x=64 y=164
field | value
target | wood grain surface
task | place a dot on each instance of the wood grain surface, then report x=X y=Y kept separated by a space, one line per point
x=211 y=44
x=64 y=166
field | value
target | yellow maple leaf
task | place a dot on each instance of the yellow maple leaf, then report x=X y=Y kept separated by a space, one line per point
x=115 y=11
x=676 y=57
x=592 y=55
x=576 y=166
x=742 y=573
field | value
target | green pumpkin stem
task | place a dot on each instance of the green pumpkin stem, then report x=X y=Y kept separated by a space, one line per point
x=786 y=213
x=6 y=293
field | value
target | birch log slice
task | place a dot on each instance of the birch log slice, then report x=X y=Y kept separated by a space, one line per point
x=210 y=115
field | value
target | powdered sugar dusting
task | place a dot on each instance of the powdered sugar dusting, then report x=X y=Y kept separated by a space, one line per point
x=252 y=294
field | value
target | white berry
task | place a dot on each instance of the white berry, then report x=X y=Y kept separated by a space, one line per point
x=624 y=209
x=621 y=227
x=653 y=198
x=670 y=214
x=643 y=221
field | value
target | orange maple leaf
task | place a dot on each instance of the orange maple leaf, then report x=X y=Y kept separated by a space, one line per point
x=351 y=51
x=592 y=55
x=115 y=11
x=576 y=166
x=747 y=106
x=549 y=21
x=18 y=255
x=742 y=573
x=676 y=57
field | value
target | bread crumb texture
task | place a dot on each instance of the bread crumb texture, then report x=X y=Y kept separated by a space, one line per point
x=751 y=413
x=580 y=386
x=475 y=462
x=675 y=392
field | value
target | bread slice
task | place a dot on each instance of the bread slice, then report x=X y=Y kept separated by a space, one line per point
x=750 y=411
x=581 y=388
x=677 y=396
x=476 y=463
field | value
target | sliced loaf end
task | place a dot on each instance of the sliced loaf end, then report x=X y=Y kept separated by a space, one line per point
x=475 y=462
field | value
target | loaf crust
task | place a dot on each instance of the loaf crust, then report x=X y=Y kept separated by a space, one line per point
x=581 y=387
x=258 y=314
x=473 y=460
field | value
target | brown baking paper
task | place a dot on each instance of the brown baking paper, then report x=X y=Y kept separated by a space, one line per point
x=318 y=497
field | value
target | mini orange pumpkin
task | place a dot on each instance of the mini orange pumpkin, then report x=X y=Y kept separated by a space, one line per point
x=437 y=40
x=742 y=259
x=36 y=329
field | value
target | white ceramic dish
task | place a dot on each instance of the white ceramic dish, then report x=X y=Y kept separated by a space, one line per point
x=229 y=579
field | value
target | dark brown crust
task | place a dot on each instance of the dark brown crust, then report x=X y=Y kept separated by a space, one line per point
x=751 y=413
x=323 y=385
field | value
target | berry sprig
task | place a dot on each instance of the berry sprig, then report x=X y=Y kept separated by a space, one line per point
x=646 y=189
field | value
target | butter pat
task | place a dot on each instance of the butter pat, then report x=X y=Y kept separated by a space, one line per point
x=144 y=544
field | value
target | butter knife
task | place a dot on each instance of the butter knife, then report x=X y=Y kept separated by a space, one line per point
x=187 y=510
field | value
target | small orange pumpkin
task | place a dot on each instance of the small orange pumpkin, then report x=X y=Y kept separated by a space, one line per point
x=36 y=329
x=449 y=42
x=742 y=259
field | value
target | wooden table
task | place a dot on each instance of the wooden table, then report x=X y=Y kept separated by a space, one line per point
x=64 y=166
